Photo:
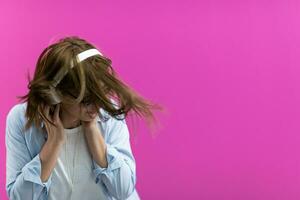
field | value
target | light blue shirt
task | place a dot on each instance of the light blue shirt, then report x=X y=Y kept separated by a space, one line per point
x=23 y=164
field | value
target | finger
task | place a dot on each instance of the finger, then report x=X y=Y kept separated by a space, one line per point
x=56 y=112
x=46 y=114
x=41 y=110
x=46 y=111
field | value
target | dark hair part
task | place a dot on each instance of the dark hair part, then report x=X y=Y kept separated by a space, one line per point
x=92 y=80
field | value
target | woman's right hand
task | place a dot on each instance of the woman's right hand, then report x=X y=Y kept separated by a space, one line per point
x=56 y=137
x=55 y=133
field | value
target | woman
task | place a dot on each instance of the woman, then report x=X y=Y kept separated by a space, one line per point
x=68 y=138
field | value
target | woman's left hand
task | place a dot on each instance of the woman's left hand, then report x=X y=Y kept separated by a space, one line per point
x=95 y=141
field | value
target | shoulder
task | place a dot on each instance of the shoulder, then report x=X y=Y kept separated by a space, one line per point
x=117 y=123
x=17 y=112
x=106 y=115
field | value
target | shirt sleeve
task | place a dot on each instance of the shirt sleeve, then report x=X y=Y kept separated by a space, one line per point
x=22 y=171
x=120 y=175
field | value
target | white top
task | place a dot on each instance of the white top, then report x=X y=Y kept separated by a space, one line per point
x=72 y=176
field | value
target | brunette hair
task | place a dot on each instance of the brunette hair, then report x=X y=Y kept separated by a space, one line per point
x=92 y=80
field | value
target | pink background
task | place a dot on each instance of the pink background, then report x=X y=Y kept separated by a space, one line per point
x=227 y=72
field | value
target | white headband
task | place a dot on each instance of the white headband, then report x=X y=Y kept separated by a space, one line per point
x=87 y=53
x=80 y=57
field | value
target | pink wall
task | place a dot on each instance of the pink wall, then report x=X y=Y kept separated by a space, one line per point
x=227 y=71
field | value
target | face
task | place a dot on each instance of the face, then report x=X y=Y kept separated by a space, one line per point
x=84 y=111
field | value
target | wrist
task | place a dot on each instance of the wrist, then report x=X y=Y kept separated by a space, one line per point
x=55 y=141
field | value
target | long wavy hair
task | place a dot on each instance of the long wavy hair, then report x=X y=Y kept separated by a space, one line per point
x=58 y=74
